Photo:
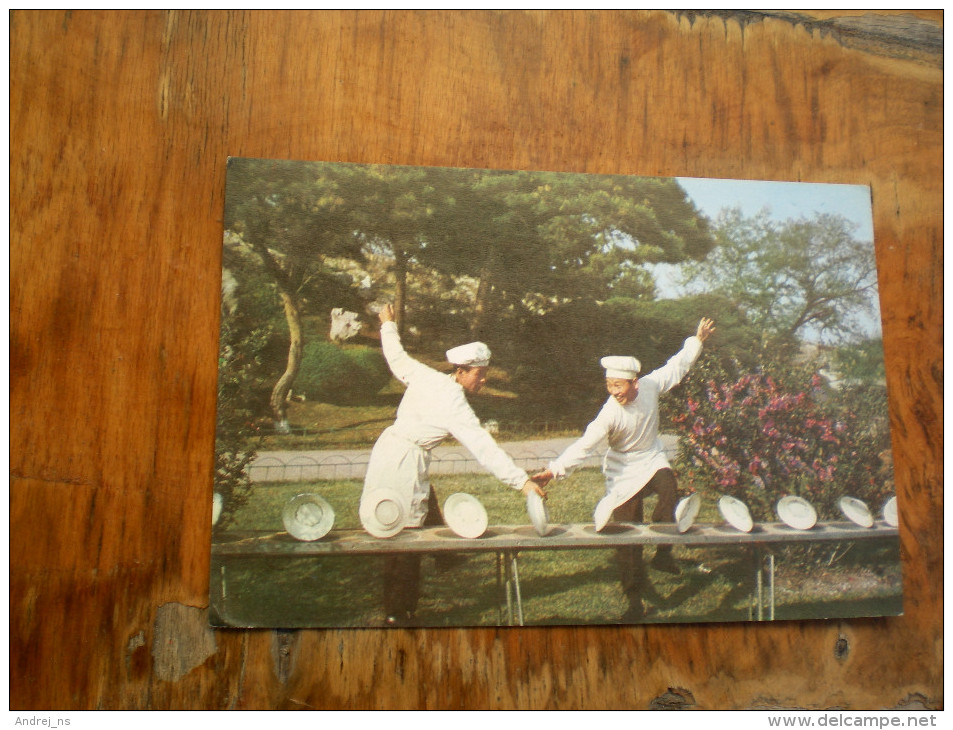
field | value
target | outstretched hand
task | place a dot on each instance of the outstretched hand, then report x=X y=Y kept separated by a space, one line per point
x=387 y=313
x=705 y=328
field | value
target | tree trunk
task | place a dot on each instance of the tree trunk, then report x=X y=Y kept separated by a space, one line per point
x=400 y=288
x=279 y=394
x=289 y=301
x=483 y=305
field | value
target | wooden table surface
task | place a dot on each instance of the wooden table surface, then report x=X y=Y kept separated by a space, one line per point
x=120 y=126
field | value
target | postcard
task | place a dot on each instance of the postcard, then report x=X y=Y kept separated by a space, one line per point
x=454 y=397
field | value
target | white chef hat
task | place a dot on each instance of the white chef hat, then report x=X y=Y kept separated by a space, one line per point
x=473 y=354
x=621 y=366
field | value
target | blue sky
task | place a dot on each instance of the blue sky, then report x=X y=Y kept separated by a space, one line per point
x=783 y=200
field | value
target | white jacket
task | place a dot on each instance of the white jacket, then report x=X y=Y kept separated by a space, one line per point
x=433 y=408
x=634 y=451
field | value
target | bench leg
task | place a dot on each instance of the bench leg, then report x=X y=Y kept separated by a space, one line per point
x=500 y=588
x=764 y=594
x=508 y=582
x=759 y=582
x=516 y=586
x=507 y=564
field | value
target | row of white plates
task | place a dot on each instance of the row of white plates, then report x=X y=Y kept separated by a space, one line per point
x=795 y=512
x=309 y=517
x=799 y=514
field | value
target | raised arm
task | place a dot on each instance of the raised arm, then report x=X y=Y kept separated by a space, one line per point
x=672 y=372
x=705 y=327
x=402 y=365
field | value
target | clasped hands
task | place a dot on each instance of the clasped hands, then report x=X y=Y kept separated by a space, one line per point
x=537 y=482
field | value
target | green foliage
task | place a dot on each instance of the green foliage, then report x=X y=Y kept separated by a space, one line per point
x=301 y=211
x=536 y=240
x=292 y=216
x=861 y=361
x=481 y=252
x=568 y=343
x=250 y=350
x=342 y=375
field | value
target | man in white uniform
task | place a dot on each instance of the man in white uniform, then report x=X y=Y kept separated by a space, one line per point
x=433 y=408
x=635 y=464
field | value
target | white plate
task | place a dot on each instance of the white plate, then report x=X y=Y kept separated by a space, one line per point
x=856 y=511
x=890 y=512
x=797 y=513
x=602 y=514
x=735 y=513
x=538 y=513
x=465 y=515
x=382 y=513
x=307 y=517
x=686 y=511
x=217 y=504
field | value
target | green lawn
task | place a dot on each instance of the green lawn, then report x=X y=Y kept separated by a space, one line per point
x=558 y=587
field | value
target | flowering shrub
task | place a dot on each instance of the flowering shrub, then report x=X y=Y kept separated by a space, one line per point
x=758 y=441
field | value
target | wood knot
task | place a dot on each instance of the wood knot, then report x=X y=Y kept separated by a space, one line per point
x=841 y=648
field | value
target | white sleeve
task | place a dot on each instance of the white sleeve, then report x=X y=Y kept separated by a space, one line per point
x=465 y=427
x=595 y=434
x=402 y=365
x=677 y=367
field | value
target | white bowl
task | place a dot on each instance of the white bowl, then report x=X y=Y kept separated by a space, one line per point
x=602 y=513
x=382 y=513
x=538 y=513
x=686 y=511
x=307 y=517
x=465 y=515
x=890 y=512
x=797 y=513
x=735 y=513
x=856 y=511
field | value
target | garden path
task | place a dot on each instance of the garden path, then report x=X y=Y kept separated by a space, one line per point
x=532 y=455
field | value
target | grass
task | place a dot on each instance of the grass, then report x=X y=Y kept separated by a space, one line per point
x=558 y=587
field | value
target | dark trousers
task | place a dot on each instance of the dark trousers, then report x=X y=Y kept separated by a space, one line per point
x=402 y=572
x=631 y=566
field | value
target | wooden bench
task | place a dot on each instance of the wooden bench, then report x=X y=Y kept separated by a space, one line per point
x=507 y=541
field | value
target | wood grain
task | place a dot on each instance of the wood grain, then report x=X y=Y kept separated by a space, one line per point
x=121 y=123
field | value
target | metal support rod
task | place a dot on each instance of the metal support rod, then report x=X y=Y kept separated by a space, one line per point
x=499 y=587
x=771 y=586
x=519 y=597
x=508 y=576
x=759 y=564
x=749 y=561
